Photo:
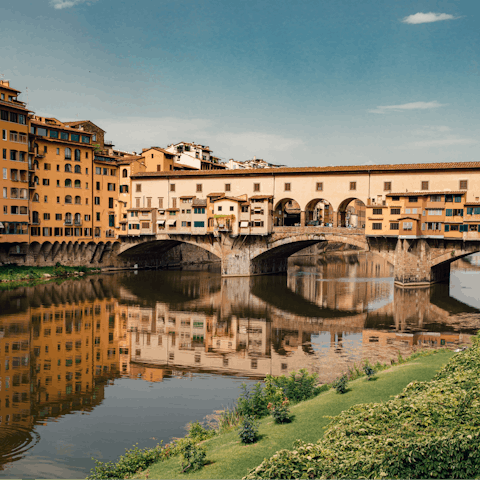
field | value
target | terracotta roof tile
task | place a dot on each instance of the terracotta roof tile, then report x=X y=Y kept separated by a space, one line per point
x=358 y=169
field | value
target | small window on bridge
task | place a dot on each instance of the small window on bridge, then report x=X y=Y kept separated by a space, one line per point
x=387 y=186
x=395 y=211
x=424 y=186
x=463 y=184
x=287 y=187
x=394 y=226
x=376 y=226
x=377 y=211
x=353 y=185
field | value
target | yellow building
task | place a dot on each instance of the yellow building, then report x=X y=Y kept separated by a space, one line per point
x=14 y=125
x=61 y=183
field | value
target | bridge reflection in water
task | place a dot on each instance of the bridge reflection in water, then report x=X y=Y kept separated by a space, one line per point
x=62 y=346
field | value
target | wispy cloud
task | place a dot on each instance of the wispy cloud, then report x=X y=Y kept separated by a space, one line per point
x=429 y=17
x=60 y=4
x=407 y=106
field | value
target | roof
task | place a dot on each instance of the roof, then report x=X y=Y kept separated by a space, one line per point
x=181 y=166
x=16 y=105
x=158 y=149
x=351 y=169
x=8 y=87
x=199 y=202
x=127 y=160
x=81 y=122
x=376 y=206
x=216 y=194
x=141 y=209
x=472 y=204
x=426 y=192
x=60 y=126
x=235 y=199
x=187 y=196
x=261 y=197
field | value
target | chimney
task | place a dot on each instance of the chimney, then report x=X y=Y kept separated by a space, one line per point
x=254 y=157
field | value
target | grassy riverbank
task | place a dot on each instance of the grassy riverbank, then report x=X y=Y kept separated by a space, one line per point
x=17 y=275
x=228 y=458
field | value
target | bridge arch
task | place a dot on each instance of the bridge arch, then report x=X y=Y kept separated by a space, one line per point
x=351 y=212
x=287 y=213
x=318 y=211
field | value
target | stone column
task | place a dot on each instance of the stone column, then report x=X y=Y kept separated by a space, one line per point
x=302 y=218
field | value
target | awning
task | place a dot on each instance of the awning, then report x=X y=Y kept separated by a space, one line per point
x=161 y=212
x=160 y=222
x=171 y=223
x=244 y=224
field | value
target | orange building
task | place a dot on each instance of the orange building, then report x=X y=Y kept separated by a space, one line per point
x=14 y=125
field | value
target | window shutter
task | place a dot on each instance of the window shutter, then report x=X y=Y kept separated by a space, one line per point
x=449 y=212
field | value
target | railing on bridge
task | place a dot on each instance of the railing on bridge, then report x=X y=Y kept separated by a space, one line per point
x=320 y=230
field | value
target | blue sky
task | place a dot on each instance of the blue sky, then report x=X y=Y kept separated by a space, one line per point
x=294 y=82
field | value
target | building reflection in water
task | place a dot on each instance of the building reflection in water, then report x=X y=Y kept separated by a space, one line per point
x=61 y=345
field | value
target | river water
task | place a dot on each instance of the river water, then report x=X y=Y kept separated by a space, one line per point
x=88 y=367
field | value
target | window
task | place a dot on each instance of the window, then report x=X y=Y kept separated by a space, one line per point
x=97 y=216
x=138 y=187
x=78 y=169
x=53 y=134
x=172 y=187
x=407 y=225
x=227 y=187
x=160 y=202
x=58 y=216
x=74 y=137
x=96 y=200
x=436 y=198
x=68 y=182
x=319 y=186
x=287 y=187
x=68 y=154
x=98 y=171
x=85 y=139
x=78 y=184
x=458 y=198
x=68 y=199
x=77 y=155
x=46 y=181
x=111 y=187
x=97 y=185
x=47 y=166
x=424 y=186
x=376 y=226
x=198 y=224
x=353 y=185
x=448 y=198
x=463 y=184
x=377 y=211
x=199 y=187
x=199 y=210
x=434 y=211
x=78 y=200
x=413 y=199
x=394 y=226
x=395 y=211
x=110 y=202
x=387 y=186
x=219 y=208
x=123 y=188
x=124 y=173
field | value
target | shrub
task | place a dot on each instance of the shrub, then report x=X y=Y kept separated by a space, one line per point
x=279 y=407
x=340 y=384
x=253 y=402
x=432 y=429
x=297 y=387
x=198 y=433
x=193 y=457
x=248 y=430
x=369 y=371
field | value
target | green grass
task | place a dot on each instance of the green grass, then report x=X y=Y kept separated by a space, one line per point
x=18 y=274
x=228 y=458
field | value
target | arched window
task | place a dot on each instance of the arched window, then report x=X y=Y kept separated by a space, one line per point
x=36 y=197
x=68 y=168
x=78 y=184
x=35 y=164
x=68 y=199
x=78 y=200
x=77 y=155
x=78 y=219
x=36 y=180
x=124 y=173
x=68 y=219
x=68 y=154
x=78 y=169
x=97 y=231
x=68 y=182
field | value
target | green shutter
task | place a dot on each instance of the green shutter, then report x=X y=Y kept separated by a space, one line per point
x=449 y=212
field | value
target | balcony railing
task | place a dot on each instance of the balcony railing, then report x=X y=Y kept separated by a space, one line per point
x=68 y=222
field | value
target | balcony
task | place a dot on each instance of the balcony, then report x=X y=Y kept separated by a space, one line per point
x=78 y=222
x=68 y=222
x=32 y=185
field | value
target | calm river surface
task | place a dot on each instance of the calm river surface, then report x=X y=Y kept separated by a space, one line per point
x=89 y=367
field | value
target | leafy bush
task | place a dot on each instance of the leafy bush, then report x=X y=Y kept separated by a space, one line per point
x=198 y=433
x=432 y=429
x=279 y=407
x=297 y=386
x=193 y=457
x=340 y=384
x=253 y=402
x=369 y=371
x=248 y=430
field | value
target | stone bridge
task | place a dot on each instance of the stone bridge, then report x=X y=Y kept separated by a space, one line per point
x=416 y=261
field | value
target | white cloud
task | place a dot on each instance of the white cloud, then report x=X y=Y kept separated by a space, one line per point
x=407 y=106
x=429 y=17
x=60 y=4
